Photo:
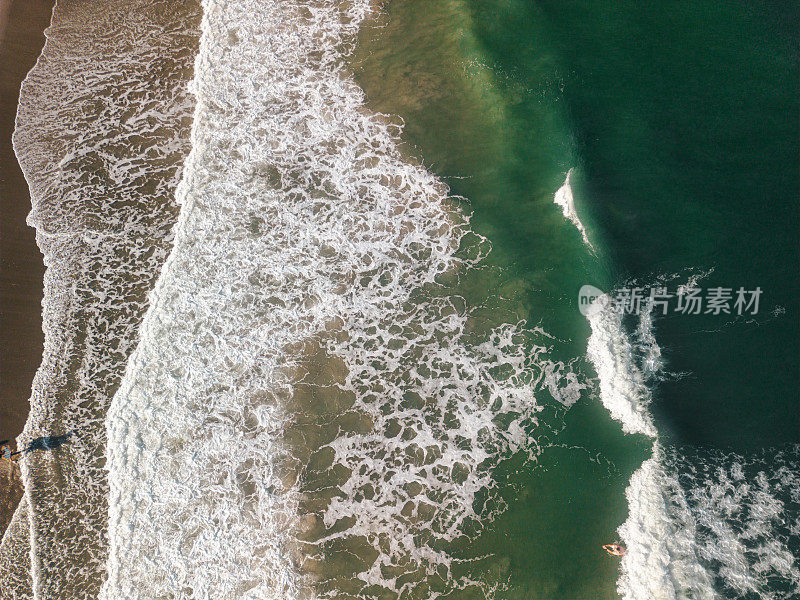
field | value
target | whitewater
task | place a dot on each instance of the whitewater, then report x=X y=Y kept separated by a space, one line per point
x=311 y=409
x=101 y=148
x=701 y=524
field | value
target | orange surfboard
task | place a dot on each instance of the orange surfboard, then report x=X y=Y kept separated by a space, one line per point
x=614 y=549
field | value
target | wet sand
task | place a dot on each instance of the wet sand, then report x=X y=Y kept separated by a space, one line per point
x=22 y=23
x=10 y=491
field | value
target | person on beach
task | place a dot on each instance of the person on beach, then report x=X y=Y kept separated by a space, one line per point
x=46 y=443
x=5 y=449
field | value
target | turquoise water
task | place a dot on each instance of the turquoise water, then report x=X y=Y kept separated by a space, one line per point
x=680 y=121
x=498 y=134
x=685 y=119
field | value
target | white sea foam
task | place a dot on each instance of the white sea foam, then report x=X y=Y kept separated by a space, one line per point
x=565 y=199
x=711 y=525
x=16 y=582
x=308 y=406
x=701 y=524
x=101 y=133
x=662 y=561
x=694 y=278
x=623 y=378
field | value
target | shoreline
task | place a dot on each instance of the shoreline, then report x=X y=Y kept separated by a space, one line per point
x=21 y=268
x=10 y=492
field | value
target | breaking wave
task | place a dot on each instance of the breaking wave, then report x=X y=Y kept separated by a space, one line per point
x=713 y=525
x=623 y=379
x=566 y=200
x=701 y=524
x=313 y=408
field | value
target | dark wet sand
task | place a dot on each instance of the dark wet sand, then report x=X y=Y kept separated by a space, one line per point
x=22 y=23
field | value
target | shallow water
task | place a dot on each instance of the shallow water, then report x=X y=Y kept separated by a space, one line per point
x=102 y=129
x=501 y=99
x=362 y=372
x=397 y=389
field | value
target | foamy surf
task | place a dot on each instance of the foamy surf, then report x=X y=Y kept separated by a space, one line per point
x=623 y=381
x=662 y=561
x=700 y=525
x=309 y=409
x=100 y=146
x=566 y=200
x=16 y=582
x=712 y=526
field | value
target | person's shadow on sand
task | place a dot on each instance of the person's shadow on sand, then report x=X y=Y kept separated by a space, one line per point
x=44 y=443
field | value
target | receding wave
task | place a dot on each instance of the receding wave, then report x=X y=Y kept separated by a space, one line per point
x=312 y=407
x=102 y=130
x=15 y=556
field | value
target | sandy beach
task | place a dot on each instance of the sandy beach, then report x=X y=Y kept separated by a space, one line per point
x=22 y=24
x=21 y=38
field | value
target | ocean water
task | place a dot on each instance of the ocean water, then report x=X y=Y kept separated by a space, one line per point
x=360 y=369
x=682 y=165
x=426 y=63
x=101 y=134
x=323 y=387
x=689 y=163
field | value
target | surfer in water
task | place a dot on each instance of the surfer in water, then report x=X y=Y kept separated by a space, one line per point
x=614 y=549
x=46 y=443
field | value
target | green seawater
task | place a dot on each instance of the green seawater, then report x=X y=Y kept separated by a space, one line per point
x=680 y=120
x=685 y=119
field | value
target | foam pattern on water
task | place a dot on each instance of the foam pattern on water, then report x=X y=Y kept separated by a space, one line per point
x=442 y=411
x=713 y=525
x=308 y=407
x=15 y=557
x=617 y=358
x=702 y=524
x=101 y=132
